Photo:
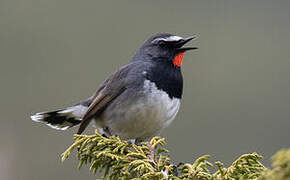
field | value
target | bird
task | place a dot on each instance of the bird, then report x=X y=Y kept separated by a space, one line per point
x=137 y=101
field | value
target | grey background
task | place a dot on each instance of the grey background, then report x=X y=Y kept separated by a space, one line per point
x=54 y=53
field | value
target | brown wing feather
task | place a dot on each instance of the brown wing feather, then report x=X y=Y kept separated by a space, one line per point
x=96 y=107
x=113 y=87
x=101 y=101
x=93 y=108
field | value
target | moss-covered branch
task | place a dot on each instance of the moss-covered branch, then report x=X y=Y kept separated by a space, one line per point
x=122 y=160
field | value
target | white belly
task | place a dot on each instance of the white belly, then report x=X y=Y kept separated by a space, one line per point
x=143 y=117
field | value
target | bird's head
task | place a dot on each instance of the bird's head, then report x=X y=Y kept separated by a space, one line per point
x=165 y=47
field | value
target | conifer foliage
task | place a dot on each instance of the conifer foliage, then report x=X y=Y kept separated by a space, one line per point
x=118 y=159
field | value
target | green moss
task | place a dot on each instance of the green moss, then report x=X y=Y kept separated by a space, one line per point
x=118 y=159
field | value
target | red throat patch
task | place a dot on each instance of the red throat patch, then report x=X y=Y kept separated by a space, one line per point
x=177 y=61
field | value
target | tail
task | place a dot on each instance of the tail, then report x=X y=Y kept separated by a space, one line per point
x=62 y=119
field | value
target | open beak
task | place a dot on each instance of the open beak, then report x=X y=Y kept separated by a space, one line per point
x=183 y=42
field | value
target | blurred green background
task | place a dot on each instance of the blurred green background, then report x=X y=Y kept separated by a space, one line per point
x=54 y=53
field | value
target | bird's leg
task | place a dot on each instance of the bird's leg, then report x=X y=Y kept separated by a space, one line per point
x=105 y=132
x=138 y=141
x=131 y=141
x=135 y=141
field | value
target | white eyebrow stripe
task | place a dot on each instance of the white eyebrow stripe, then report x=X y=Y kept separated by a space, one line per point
x=173 y=38
x=168 y=39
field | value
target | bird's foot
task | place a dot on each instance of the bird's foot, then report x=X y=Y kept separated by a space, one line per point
x=134 y=141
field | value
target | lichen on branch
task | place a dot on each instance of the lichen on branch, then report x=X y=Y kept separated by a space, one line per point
x=118 y=159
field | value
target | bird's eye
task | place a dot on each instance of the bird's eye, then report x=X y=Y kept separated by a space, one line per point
x=161 y=42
